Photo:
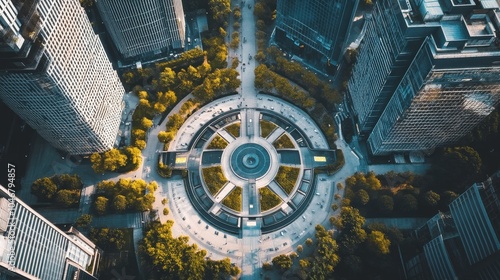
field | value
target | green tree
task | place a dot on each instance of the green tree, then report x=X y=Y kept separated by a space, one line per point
x=282 y=262
x=97 y=163
x=146 y=123
x=113 y=160
x=372 y=181
x=220 y=10
x=406 y=203
x=119 y=203
x=378 y=243
x=68 y=182
x=385 y=204
x=219 y=270
x=165 y=137
x=309 y=241
x=430 y=200
x=361 y=198
x=108 y=239
x=325 y=257
x=350 y=223
x=457 y=168
x=174 y=122
x=101 y=205
x=169 y=257
x=167 y=78
x=83 y=221
x=44 y=188
x=67 y=198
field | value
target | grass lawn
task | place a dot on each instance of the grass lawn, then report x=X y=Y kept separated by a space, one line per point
x=234 y=129
x=217 y=143
x=287 y=177
x=268 y=199
x=283 y=142
x=214 y=178
x=266 y=127
x=233 y=199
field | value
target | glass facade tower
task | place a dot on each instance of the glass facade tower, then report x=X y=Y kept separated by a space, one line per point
x=317 y=26
x=427 y=73
x=142 y=27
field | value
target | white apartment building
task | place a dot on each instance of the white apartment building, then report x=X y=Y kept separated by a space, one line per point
x=59 y=80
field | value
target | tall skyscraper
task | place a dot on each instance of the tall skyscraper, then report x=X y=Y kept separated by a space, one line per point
x=31 y=247
x=464 y=243
x=427 y=72
x=316 y=28
x=55 y=75
x=144 y=27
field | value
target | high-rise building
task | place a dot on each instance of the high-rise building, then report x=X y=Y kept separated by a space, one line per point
x=315 y=28
x=464 y=243
x=55 y=75
x=31 y=247
x=427 y=72
x=144 y=27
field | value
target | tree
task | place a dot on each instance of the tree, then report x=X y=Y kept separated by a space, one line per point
x=164 y=100
x=97 y=163
x=172 y=258
x=282 y=262
x=350 y=223
x=430 y=200
x=114 y=159
x=165 y=137
x=119 y=203
x=101 y=205
x=361 y=198
x=44 y=188
x=146 y=123
x=325 y=255
x=140 y=144
x=174 y=122
x=167 y=78
x=108 y=239
x=220 y=10
x=378 y=243
x=406 y=203
x=215 y=270
x=372 y=181
x=309 y=242
x=68 y=182
x=83 y=221
x=385 y=204
x=67 y=198
x=457 y=167
x=300 y=248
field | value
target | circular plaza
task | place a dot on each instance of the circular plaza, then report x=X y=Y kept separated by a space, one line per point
x=250 y=165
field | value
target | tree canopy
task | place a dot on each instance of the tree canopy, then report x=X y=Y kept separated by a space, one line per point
x=174 y=258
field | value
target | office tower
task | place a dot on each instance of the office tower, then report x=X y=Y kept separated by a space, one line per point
x=31 y=247
x=464 y=243
x=144 y=27
x=55 y=75
x=318 y=29
x=427 y=73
